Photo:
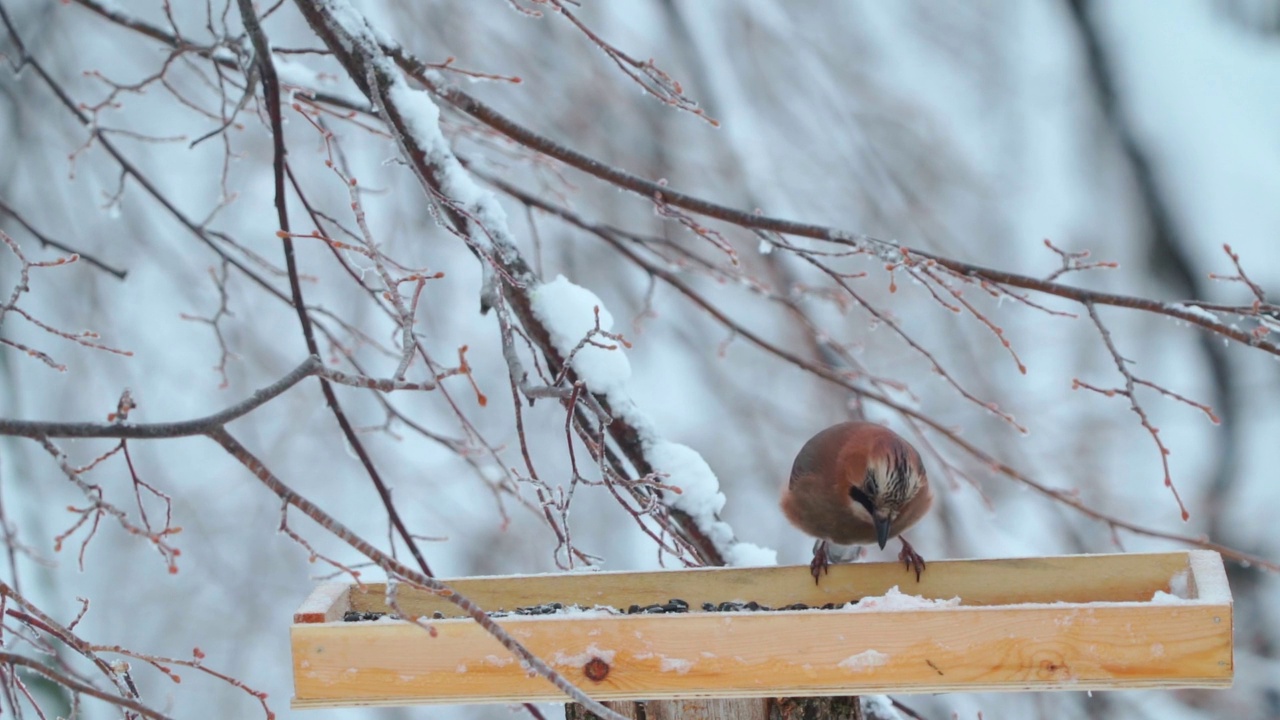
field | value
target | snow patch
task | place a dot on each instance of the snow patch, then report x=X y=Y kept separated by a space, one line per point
x=744 y=554
x=1193 y=310
x=895 y=599
x=578 y=660
x=568 y=312
x=864 y=661
x=1163 y=598
x=422 y=120
x=879 y=706
x=699 y=488
x=676 y=665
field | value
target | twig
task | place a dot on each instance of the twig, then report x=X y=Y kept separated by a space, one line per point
x=407 y=574
x=1122 y=365
x=58 y=678
x=50 y=242
x=271 y=92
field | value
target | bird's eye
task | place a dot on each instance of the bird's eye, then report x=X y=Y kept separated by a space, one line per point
x=862 y=499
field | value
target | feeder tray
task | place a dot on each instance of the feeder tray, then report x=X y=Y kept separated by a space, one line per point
x=1086 y=622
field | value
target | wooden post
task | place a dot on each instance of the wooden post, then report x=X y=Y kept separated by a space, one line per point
x=813 y=708
x=697 y=709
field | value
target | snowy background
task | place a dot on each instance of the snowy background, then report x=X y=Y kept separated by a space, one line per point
x=1143 y=132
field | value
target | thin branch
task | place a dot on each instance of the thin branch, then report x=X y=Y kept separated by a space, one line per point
x=651 y=191
x=425 y=74
x=271 y=92
x=907 y=411
x=58 y=678
x=50 y=242
x=660 y=192
x=394 y=568
x=437 y=169
x=1130 y=381
x=156 y=431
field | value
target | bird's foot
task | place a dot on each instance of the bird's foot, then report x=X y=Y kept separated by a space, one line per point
x=821 y=560
x=909 y=557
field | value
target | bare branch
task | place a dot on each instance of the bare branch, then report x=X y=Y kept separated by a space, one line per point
x=395 y=568
x=50 y=242
x=76 y=686
x=156 y=431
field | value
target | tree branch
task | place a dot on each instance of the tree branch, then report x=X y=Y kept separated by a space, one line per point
x=158 y=431
x=58 y=678
x=271 y=92
x=891 y=251
x=394 y=568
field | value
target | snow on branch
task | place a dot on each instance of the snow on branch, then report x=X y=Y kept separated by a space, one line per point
x=580 y=328
x=561 y=317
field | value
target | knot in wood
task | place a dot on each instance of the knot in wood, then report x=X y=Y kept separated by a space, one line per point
x=596 y=669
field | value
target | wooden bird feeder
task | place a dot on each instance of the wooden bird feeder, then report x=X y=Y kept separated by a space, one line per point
x=1089 y=622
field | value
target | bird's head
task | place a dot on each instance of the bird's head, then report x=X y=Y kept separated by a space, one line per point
x=894 y=475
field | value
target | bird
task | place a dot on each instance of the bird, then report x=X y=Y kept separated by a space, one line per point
x=856 y=483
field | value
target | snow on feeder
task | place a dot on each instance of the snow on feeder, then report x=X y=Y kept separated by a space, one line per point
x=1087 y=622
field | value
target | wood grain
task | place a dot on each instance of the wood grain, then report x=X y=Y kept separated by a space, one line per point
x=1070 y=578
x=327 y=603
x=1037 y=623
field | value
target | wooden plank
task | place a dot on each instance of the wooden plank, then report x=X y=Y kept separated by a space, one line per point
x=1208 y=578
x=326 y=603
x=1073 y=578
x=1081 y=622
x=1078 y=647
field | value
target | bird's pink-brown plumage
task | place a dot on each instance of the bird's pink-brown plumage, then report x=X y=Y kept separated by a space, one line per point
x=832 y=468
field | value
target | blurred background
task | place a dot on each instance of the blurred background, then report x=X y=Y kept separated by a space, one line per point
x=1145 y=133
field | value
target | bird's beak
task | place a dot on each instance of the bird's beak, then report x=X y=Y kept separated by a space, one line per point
x=882 y=530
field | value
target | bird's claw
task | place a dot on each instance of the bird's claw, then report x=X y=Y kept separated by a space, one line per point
x=821 y=563
x=909 y=557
